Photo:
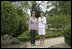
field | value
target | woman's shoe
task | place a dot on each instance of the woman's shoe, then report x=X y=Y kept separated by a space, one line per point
x=33 y=44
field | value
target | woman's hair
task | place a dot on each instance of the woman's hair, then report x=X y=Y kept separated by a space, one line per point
x=42 y=12
x=32 y=12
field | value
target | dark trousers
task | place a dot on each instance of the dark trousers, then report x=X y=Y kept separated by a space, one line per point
x=32 y=36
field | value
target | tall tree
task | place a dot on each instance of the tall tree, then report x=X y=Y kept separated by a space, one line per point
x=35 y=7
x=63 y=7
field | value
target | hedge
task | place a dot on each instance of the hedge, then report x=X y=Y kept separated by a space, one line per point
x=67 y=35
x=9 y=18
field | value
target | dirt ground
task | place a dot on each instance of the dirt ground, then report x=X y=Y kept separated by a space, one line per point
x=56 y=42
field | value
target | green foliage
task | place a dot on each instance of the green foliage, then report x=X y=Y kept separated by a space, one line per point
x=59 y=21
x=9 y=18
x=22 y=5
x=67 y=34
x=52 y=35
x=10 y=39
x=4 y=37
x=53 y=29
x=23 y=25
x=65 y=7
x=24 y=36
x=36 y=8
x=22 y=8
x=15 y=41
x=13 y=19
x=60 y=7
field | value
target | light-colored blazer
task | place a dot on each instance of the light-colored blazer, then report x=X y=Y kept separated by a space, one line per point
x=33 y=24
x=40 y=24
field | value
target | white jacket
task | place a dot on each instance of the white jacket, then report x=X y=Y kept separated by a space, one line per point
x=40 y=24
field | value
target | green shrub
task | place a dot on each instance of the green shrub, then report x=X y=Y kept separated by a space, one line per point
x=23 y=25
x=15 y=41
x=67 y=35
x=4 y=37
x=53 y=29
x=37 y=37
x=59 y=21
x=52 y=35
x=49 y=25
x=9 y=18
x=24 y=36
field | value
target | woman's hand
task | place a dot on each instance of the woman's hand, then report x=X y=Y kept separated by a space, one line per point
x=41 y=21
x=28 y=31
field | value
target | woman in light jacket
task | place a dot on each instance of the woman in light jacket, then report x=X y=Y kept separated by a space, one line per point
x=33 y=27
x=41 y=27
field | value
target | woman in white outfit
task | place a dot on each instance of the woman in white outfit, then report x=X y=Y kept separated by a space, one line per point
x=41 y=27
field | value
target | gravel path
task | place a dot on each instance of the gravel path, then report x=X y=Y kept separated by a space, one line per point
x=48 y=42
x=54 y=42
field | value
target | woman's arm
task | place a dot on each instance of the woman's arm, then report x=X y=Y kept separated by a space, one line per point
x=38 y=23
x=29 y=23
x=44 y=21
